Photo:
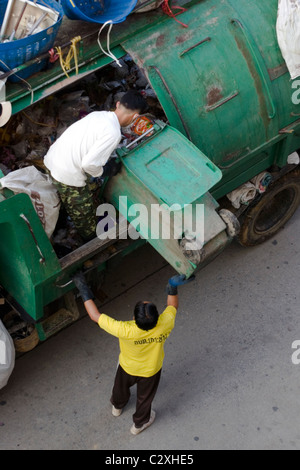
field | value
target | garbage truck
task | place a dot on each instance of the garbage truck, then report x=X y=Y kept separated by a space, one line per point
x=232 y=115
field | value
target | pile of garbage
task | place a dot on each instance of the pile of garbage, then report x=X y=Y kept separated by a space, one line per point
x=27 y=137
x=25 y=140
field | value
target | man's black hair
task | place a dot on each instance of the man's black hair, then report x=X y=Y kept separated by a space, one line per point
x=145 y=315
x=134 y=101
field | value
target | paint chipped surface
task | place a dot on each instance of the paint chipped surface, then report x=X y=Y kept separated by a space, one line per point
x=214 y=95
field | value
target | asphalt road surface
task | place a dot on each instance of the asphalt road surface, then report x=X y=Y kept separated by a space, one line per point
x=228 y=380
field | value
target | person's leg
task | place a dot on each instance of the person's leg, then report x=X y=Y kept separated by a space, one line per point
x=146 y=390
x=121 y=388
x=78 y=202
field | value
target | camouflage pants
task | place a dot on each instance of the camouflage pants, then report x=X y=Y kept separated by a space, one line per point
x=78 y=202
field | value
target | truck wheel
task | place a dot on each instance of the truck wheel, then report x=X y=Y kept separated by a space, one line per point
x=264 y=219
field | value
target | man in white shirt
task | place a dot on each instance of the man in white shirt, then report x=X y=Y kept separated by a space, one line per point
x=82 y=151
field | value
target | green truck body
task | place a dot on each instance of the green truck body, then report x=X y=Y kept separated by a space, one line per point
x=231 y=109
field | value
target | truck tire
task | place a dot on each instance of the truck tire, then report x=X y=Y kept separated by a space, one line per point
x=266 y=217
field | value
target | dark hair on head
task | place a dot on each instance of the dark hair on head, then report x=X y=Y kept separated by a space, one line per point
x=134 y=101
x=145 y=315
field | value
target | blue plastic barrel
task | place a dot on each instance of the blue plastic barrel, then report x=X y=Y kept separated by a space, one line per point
x=98 y=11
x=20 y=51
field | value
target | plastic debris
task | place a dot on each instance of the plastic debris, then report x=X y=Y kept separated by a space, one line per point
x=262 y=181
x=34 y=130
x=7 y=355
x=242 y=195
x=293 y=159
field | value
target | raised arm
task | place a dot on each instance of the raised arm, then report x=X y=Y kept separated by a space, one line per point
x=173 y=301
x=172 y=291
x=87 y=296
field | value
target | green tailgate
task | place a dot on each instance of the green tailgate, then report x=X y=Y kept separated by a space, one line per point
x=168 y=170
x=172 y=168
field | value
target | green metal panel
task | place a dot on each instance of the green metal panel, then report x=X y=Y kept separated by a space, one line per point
x=29 y=268
x=46 y=83
x=222 y=81
x=168 y=170
x=133 y=192
x=26 y=255
x=166 y=162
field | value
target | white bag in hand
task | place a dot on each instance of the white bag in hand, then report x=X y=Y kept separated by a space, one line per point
x=42 y=192
x=288 y=34
x=7 y=355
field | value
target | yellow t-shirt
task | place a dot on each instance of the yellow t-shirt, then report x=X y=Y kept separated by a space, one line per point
x=141 y=352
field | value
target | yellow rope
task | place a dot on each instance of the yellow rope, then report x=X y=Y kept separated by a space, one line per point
x=39 y=123
x=66 y=63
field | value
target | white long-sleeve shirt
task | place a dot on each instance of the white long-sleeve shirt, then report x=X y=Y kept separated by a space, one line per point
x=84 y=148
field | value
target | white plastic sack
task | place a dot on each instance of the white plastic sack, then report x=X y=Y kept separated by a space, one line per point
x=7 y=355
x=242 y=195
x=288 y=34
x=42 y=192
x=262 y=181
x=293 y=159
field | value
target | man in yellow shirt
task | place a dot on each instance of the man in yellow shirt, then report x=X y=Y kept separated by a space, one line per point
x=141 y=348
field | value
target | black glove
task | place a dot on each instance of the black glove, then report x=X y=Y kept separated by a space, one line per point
x=82 y=286
x=112 y=167
x=175 y=281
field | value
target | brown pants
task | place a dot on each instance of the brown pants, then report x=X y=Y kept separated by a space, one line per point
x=146 y=390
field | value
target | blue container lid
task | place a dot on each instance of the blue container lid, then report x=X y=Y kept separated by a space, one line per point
x=98 y=11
